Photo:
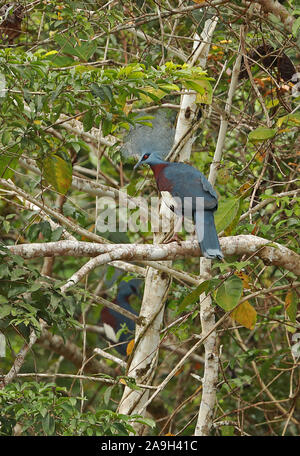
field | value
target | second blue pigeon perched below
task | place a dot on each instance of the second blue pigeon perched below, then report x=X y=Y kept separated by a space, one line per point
x=177 y=181
x=113 y=321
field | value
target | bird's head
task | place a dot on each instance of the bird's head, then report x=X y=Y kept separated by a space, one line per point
x=149 y=159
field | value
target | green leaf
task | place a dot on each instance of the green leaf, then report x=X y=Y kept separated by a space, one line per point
x=8 y=164
x=192 y=297
x=107 y=394
x=88 y=120
x=103 y=92
x=56 y=234
x=296 y=27
x=33 y=232
x=227 y=431
x=4 y=310
x=231 y=227
x=36 y=286
x=6 y=226
x=57 y=172
x=272 y=102
x=45 y=229
x=194 y=85
x=226 y=213
x=48 y=424
x=147 y=421
x=16 y=289
x=158 y=92
x=106 y=126
x=61 y=60
x=130 y=382
x=4 y=271
x=261 y=134
x=107 y=92
x=229 y=293
x=6 y=137
x=75 y=47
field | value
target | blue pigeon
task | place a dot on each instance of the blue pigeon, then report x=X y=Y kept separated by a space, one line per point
x=113 y=321
x=177 y=181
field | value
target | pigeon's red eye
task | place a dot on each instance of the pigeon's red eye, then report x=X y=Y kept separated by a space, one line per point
x=145 y=156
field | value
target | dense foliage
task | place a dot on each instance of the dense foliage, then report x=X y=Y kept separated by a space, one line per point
x=74 y=77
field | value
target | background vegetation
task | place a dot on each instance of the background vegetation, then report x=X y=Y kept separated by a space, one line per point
x=75 y=76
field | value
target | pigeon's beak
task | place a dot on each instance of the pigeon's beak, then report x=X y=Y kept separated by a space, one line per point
x=138 y=163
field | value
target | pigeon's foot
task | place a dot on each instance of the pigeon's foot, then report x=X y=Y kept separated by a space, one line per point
x=174 y=238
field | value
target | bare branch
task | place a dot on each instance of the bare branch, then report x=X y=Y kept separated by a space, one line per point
x=72 y=353
x=207 y=314
x=273 y=6
x=19 y=361
x=270 y=252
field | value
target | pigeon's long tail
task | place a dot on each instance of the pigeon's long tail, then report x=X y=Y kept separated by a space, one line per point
x=207 y=235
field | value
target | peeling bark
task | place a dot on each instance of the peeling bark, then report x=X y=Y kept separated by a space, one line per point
x=147 y=338
x=207 y=312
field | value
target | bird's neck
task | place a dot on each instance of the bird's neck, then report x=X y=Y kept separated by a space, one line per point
x=122 y=298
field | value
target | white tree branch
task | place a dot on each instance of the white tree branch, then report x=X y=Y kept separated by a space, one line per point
x=207 y=314
x=270 y=252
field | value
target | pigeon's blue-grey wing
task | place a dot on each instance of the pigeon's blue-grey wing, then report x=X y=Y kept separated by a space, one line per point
x=159 y=138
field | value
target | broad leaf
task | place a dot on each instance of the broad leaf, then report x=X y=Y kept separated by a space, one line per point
x=8 y=163
x=262 y=134
x=226 y=213
x=57 y=172
x=231 y=227
x=88 y=120
x=245 y=315
x=229 y=293
x=192 y=297
x=206 y=96
x=291 y=305
x=291 y=308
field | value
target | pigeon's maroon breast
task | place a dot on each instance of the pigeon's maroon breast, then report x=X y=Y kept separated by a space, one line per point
x=163 y=183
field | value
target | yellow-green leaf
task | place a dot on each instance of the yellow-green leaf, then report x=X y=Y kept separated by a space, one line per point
x=57 y=172
x=245 y=315
x=53 y=52
x=194 y=85
x=272 y=102
x=291 y=305
x=261 y=134
x=161 y=92
x=206 y=96
x=290 y=119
